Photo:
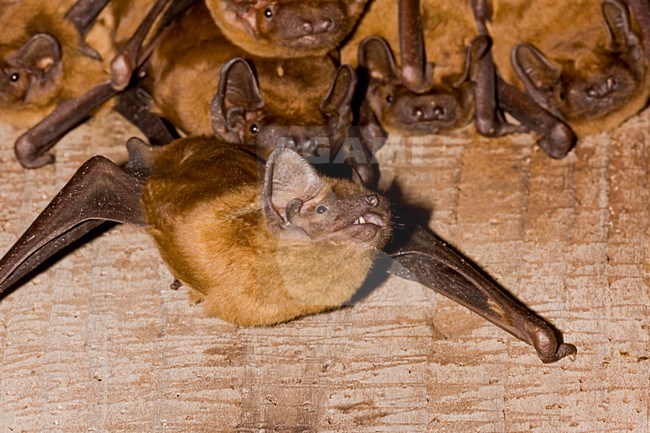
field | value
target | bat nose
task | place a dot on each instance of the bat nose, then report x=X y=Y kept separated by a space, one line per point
x=310 y=27
x=425 y=112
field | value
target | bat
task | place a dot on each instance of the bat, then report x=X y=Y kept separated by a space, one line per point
x=31 y=147
x=294 y=99
x=44 y=59
x=583 y=61
x=286 y=28
x=411 y=99
x=299 y=243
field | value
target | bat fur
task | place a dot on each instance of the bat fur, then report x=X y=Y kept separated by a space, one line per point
x=42 y=62
x=588 y=81
x=185 y=72
x=205 y=208
x=286 y=28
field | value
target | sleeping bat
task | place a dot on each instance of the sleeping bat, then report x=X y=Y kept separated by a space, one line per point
x=31 y=147
x=414 y=100
x=286 y=28
x=584 y=61
x=289 y=99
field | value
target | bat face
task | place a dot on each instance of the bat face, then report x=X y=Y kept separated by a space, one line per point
x=397 y=107
x=343 y=213
x=241 y=115
x=588 y=85
x=582 y=93
x=432 y=112
x=294 y=28
x=30 y=73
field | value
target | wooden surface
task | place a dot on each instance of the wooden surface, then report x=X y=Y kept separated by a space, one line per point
x=99 y=343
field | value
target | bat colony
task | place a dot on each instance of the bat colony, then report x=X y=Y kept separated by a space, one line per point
x=260 y=87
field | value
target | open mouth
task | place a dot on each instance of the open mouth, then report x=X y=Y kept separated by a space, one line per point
x=369 y=218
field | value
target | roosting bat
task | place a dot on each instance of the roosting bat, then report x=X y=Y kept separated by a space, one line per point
x=44 y=59
x=261 y=245
x=31 y=147
x=584 y=61
x=414 y=100
x=286 y=28
x=292 y=99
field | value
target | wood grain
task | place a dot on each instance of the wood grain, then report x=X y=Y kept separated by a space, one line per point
x=99 y=343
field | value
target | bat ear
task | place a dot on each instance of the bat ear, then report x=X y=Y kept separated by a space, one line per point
x=534 y=70
x=376 y=56
x=41 y=53
x=337 y=105
x=40 y=58
x=289 y=181
x=238 y=94
x=621 y=37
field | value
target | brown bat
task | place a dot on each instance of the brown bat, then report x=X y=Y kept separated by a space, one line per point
x=31 y=147
x=286 y=28
x=261 y=244
x=584 y=61
x=281 y=99
x=411 y=99
x=44 y=59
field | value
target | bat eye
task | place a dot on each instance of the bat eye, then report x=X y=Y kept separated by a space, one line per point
x=255 y=128
x=321 y=209
x=268 y=13
x=389 y=99
x=14 y=77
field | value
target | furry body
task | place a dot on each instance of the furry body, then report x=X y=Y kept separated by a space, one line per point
x=185 y=75
x=574 y=38
x=78 y=73
x=203 y=204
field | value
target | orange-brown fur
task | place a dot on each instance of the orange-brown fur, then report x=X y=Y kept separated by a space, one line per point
x=185 y=75
x=448 y=29
x=80 y=72
x=268 y=46
x=572 y=35
x=203 y=204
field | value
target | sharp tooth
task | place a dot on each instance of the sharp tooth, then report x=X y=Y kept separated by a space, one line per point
x=362 y=220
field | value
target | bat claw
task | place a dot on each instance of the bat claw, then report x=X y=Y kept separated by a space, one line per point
x=548 y=348
x=559 y=141
x=27 y=153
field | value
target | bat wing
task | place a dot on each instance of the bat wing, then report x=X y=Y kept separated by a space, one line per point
x=427 y=259
x=100 y=191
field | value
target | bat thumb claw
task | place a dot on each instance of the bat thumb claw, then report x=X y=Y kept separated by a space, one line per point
x=27 y=153
x=121 y=72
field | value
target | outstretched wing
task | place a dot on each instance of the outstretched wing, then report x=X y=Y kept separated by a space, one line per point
x=427 y=259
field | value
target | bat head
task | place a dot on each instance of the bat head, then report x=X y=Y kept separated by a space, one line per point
x=593 y=88
x=300 y=204
x=396 y=107
x=30 y=73
x=240 y=114
x=286 y=28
